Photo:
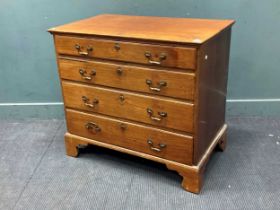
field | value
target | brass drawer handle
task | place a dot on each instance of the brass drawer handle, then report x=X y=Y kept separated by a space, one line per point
x=92 y=126
x=84 y=76
x=158 y=119
x=87 y=102
x=156 y=149
x=85 y=53
x=159 y=85
x=162 y=57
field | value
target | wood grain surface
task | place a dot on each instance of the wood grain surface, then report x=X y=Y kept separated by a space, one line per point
x=182 y=30
x=180 y=57
x=211 y=91
x=132 y=136
x=133 y=107
x=125 y=76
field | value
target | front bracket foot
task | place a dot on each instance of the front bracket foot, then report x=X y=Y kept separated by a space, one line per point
x=72 y=146
x=192 y=177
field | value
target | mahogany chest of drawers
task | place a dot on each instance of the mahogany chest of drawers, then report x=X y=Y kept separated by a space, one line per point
x=152 y=87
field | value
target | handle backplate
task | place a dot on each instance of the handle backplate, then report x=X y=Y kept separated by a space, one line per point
x=162 y=57
x=159 y=86
x=156 y=149
x=87 y=102
x=161 y=115
x=84 y=75
x=92 y=126
x=85 y=53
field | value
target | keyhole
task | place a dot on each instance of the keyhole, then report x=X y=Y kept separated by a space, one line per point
x=121 y=97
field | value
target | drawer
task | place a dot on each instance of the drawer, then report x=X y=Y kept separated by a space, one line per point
x=171 y=56
x=160 y=82
x=168 y=145
x=152 y=110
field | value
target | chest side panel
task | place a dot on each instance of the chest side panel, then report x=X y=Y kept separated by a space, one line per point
x=213 y=58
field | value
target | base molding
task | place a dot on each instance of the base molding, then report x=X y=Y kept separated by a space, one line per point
x=192 y=175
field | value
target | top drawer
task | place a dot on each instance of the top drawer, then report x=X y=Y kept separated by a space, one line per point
x=169 y=56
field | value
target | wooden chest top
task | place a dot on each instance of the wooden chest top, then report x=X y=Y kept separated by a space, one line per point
x=177 y=30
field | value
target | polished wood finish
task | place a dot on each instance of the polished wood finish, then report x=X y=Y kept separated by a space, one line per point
x=132 y=106
x=147 y=86
x=211 y=91
x=180 y=57
x=165 y=29
x=179 y=84
x=133 y=136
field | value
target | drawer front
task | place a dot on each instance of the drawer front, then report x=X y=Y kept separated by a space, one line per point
x=161 y=82
x=152 y=110
x=180 y=57
x=132 y=136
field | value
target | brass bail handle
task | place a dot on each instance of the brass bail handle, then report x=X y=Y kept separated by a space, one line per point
x=87 y=102
x=156 y=149
x=92 y=126
x=154 y=118
x=160 y=85
x=149 y=56
x=84 y=75
x=85 y=53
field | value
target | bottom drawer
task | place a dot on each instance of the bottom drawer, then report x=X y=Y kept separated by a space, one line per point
x=164 y=144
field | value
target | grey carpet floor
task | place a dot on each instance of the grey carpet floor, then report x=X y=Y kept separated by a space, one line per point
x=35 y=173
